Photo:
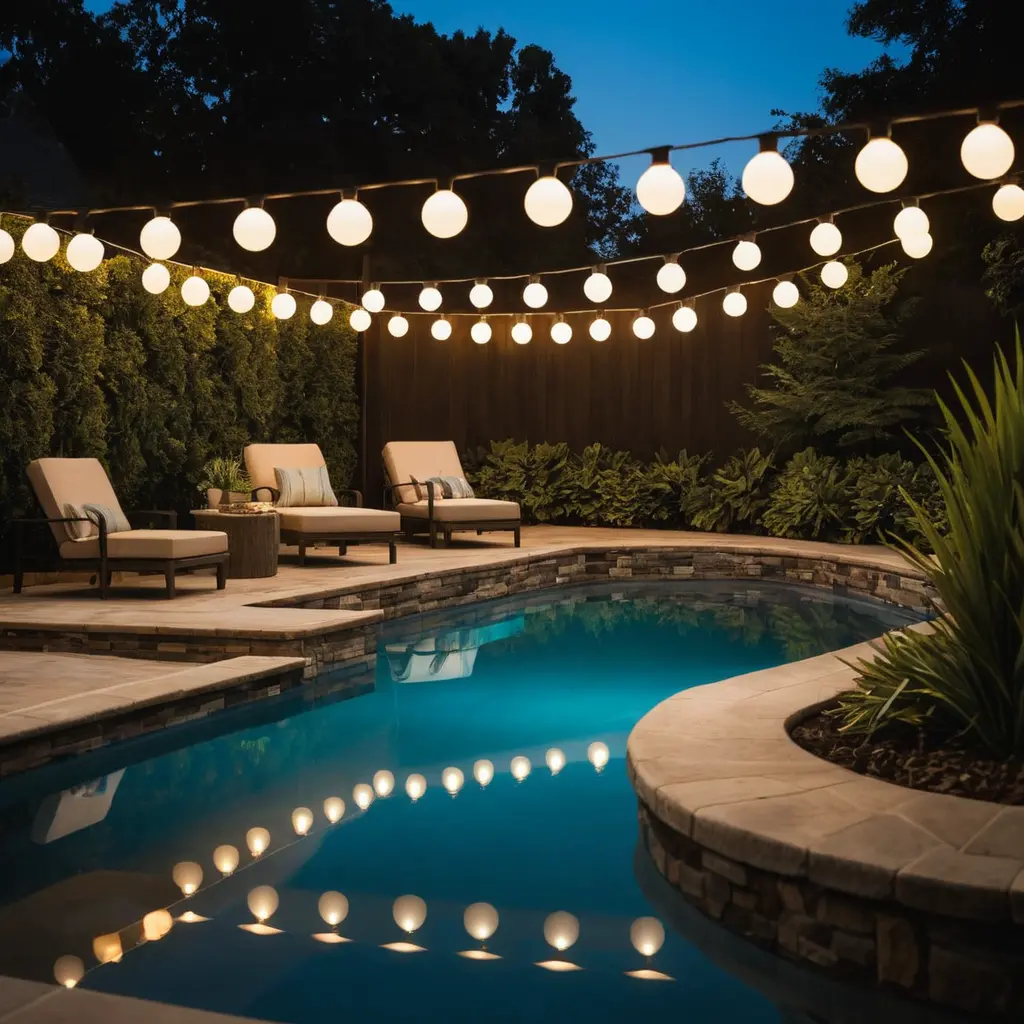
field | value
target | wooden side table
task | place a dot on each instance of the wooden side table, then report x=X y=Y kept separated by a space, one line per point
x=253 y=540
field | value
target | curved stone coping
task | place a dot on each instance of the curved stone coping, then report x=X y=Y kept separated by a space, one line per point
x=716 y=764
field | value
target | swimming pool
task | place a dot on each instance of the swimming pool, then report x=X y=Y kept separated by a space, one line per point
x=543 y=689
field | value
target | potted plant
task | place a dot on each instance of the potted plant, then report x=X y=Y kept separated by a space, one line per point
x=224 y=481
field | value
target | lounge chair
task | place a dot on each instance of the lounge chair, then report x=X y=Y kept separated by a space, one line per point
x=413 y=469
x=63 y=487
x=305 y=525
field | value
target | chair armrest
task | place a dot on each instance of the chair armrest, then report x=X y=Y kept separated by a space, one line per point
x=389 y=494
x=155 y=513
x=356 y=495
x=99 y=522
x=274 y=493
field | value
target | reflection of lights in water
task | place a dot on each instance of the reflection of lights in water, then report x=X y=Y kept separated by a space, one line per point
x=520 y=767
x=334 y=808
x=647 y=935
x=188 y=876
x=558 y=965
x=483 y=771
x=481 y=921
x=107 y=948
x=597 y=754
x=555 y=760
x=409 y=913
x=156 y=924
x=649 y=975
x=383 y=783
x=191 y=917
x=333 y=908
x=257 y=839
x=363 y=796
x=415 y=786
x=263 y=902
x=452 y=780
x=225 y=859
x=68 y=971
x=561 y=930
x=302 y=820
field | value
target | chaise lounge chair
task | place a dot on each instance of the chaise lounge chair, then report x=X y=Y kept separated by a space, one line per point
x=322 y=519
x=419 y=474
x=90 y=531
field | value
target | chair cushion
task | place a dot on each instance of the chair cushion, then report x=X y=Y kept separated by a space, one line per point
x=464 y=510
x=404 y=460
x=261 y=459
x=60 y=482
x=343 y=519
x=158 y=544
x=304 y=487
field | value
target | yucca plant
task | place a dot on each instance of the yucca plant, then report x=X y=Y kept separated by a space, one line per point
x=967 y=676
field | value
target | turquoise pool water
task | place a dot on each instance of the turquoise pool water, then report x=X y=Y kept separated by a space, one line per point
x=87 y=848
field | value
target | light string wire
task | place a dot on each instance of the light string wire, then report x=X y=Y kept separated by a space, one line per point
x=776 y=133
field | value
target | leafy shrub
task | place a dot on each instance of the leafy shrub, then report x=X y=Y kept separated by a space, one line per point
x=604 y=487
x=666 y=485
x=223 y=474
x=732 y=497
x=811 y=498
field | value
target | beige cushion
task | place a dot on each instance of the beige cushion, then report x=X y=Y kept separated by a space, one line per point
x=464 y=510
x=404 y=460
x=303 y=486
x=160 y=544
x=60 y=482
x=260 y=460
x=342 y=519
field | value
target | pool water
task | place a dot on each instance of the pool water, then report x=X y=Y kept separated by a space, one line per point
x=87 y=848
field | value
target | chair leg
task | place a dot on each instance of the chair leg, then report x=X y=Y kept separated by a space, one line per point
x=433 y=535
x=392 y=553
x=169 y=579
x=515 y=534
x=479 y=533
x=19 y=578
x=448 y=537
x=222 y=574
x=103 y=577
x=302 y=553
x=342 y=549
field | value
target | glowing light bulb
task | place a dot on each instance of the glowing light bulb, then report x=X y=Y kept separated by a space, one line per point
x=834 y=274
x=188 y=876
x=241 y=298
x=156 y=924
x=334 y=808
x=520 y=767
x=598 y=287
x=1007 y=203
x=647 y=935
x=548 y=202
x=768 y=178
x=452 y=780
x=535 y=295
x=430 y=298
x=881 y=165
x=746 y=255
x=321 y=312
x=561 y=930
x=522 y=333
x=257 y=839
x=409 y=913
x=600 y=329
x=156 y=278
x=734 y=304
x=194 y=291
x=349 y=222
x=561 y=332
x=68 y=971
x=225 y=858
x=555 y=760
x=480 y=332
x=254 y=229
x=785 y=294
x=359 y=320
x=333 y=908
x=7 y=246
x=84 y=253
x=160 y=238
x=263 y=901
x=444 y=214
x=917 y=246
x=481 y=295
x=643 y=327
x=480 y=920
x=987 y=151
x=826 y=239
x=107 y=948
x=661 y=189
x=684 y=319
x=415 y=786
x=597 y=754
x=302 y=820
x=362 y=795
x=383 y=783
x=483 y=772
x=398 y=326
x=671 y=277
x=40 y=242
x=283 y=305
x=373 y=300
x=911 y=220
x=441 y=329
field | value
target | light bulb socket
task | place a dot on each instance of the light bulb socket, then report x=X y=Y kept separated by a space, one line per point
x=429 y=284
x=559 y=318
x=639 y=313
x=282 y=284
x=660 y=154
x=350 y=193
x=830 y=219
x=785 y=278
x=768 y=143
x=879 y=130
x=988 y=115
x=672 y=257
x=598 y=268
x=41 y=217
x=547 y=169
x=733 y=290
x=749 y=237
x=82 y=225
x=482 y=319
x=534 y=279
x=254 y=203
x=480 y=280
x=907 y=203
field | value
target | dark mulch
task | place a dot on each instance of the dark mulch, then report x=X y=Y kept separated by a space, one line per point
x=916 y=761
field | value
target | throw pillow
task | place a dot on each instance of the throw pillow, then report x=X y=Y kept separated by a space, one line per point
x=304 y=488
x=456 y=487
x=116 y=520
x=79 y=530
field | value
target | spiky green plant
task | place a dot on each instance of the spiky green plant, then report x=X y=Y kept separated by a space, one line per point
x=811 y=498
x=966 y=675
x=732 y=497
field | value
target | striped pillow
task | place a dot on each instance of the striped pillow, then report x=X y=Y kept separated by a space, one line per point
x=304 y=488
x=116 y=520
x=452 y=487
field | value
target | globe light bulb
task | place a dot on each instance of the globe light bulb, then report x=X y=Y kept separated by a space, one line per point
x=321 y=312
x=7 y=246
x=257 y=839
x=917 y=246
x=597 y=754
x=520 y=767
x=373 y=300
x=522 y=332
x=415 y=786
x=561 y=332
x=409 y=913
x=600 y=329
x=768 y=178
x=359 y=320
x=746 y=255
x=225 y=859
x=881 y=165
x=107 y=948
x=156 y=924
x=283 y=305
x=452 y=780
x=480 y=921
x=481 y=295
x=333 y=908
x=660 y=190
x=911 y=220
x=188 y=876
x=441 y=329
x=68 y=971
x=156 y=278
x=555 y=760
x=1007 y=203
x=84 y=253
x=598 y=287
x=535 y=295
x=643 y=327
x=240 y=299
x=349 y=222
x=647 y=935
x=734 y=303
x=383 y=783
x=40 y=242
x=398 y=326
x=826 y=239
x=263 y=901
x=302 y=820
x=483 y=772
x=430 y=298
x=334 y=809
x=160 y=238
x=785 y=295
x=362 y=795
x=194 y=291
x=561 y=930
x=834 y=274
x=671 y=277
x=548 y=202
x=444 y=214
x=987 y=151
x=684 y=319
x=254 y=229
x=480 y=332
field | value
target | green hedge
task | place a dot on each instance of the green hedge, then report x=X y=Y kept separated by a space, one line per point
x=811 y=496
x=92 y=364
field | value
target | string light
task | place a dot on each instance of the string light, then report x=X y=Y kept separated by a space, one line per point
x=349 y=222
x=334 y=809
x=747 y=254
x=7 y=246
x=660 y=189
x=283 y=305
x=917 y=246
x=1007 y=203
x=522 y=332
x=321 y=312
x=430 y=298
x=881 y=165
x=481 y=295
x=254 y=229
x=785 y=294
x=362 y=794
x=444 y=214
x=383 y=783
x=359 y=320
x=643 y=326
x=187 y=876
x=441 y=329
x=195 y=291
x=684 y=319
x=84 y=253
x=561 y=332
x=826 y=238
x=373 y=299
x=671 y=277
x=302 y=820
x=600 y=329
x=398 y=326
x=535 y=295
x=548 y=202
x=987 y=151
x=768 y=178
x=160 y=238
x=257 y=839
x=598 y=286
x=834 y=274
x=480 y=332
x=225 y=858
x=68 y=971
x=40 y=242
x=240 y=299
x=911 y=220
x=156 y=278
x=734 y=303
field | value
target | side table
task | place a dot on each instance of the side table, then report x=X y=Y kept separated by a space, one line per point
x=253 y=540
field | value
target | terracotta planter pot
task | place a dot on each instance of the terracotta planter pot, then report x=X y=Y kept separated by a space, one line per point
x=215 y=497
